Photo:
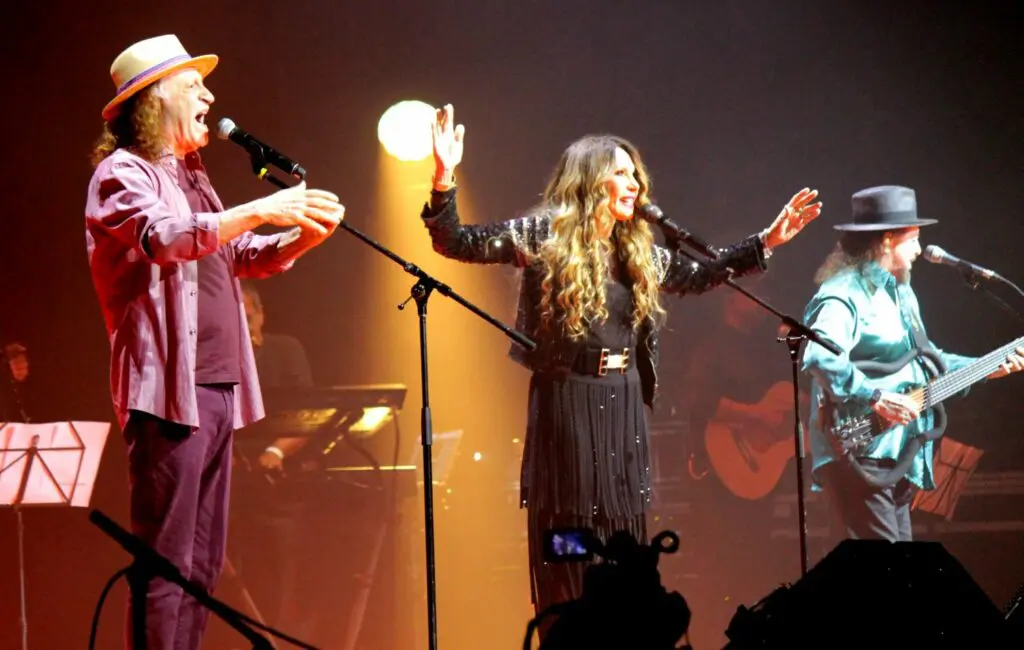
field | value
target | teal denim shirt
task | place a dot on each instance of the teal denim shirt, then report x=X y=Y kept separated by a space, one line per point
x=868 y=315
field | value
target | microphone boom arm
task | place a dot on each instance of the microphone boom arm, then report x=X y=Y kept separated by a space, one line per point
x=971 y=276
x=412 y=269
x=421 y=291
x=674 y=233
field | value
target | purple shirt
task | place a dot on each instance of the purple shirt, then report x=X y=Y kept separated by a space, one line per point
x=143 y=242
x=217 y=358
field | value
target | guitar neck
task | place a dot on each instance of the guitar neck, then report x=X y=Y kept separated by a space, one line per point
x=950 y=384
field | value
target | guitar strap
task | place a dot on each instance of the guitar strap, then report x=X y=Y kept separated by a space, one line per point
x=926 y=352
x=933 y=367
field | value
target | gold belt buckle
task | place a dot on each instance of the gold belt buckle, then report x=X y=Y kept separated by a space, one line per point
x=611 y=361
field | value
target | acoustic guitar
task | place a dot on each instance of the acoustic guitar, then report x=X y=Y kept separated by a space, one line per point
x=749 y=445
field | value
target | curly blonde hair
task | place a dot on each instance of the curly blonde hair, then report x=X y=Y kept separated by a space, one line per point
x=575 y=256
x=137 y=126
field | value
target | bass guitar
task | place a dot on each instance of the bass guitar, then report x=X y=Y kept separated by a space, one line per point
x=854 y=426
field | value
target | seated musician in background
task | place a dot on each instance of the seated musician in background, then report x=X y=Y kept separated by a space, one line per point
x=14 y=382
x=866 y=306
x=280 y=363
x=275 y=525
x=300 y=547
x=738 y=401
x=739 y=396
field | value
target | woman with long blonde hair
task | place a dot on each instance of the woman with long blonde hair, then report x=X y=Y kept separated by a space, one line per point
x=590 y=298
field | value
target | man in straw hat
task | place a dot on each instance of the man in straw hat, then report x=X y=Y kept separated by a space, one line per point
x=865 y=305
x=165 y=257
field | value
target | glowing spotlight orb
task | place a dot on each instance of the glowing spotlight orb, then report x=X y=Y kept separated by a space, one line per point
x=404 y=130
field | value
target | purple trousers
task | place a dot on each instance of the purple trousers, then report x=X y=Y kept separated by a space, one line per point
x=179 y=486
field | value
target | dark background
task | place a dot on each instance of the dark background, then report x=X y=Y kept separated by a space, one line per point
x=734 y=105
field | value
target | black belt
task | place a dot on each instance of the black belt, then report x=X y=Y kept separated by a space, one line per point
x=600 y=361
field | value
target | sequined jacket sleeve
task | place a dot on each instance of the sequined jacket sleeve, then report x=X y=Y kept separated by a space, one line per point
x=680 y=275
x=503 y=242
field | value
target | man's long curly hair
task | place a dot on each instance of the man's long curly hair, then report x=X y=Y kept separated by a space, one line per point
x=575 y=256
x=137 y=126
x=853 y=251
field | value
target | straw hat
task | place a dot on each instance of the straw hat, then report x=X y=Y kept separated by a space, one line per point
x=148 y=61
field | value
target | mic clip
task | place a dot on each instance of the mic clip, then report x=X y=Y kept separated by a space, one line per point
x=257 y=160
x=677 y=236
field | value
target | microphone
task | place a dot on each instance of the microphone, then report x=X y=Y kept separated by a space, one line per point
x=228 y=130
x=936 y=255
x=653 y=214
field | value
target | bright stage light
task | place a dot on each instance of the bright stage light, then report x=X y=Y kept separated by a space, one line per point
x=404 y=130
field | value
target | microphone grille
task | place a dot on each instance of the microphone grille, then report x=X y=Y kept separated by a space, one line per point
x=933 y=253
x=225 y=127
x=650 y=212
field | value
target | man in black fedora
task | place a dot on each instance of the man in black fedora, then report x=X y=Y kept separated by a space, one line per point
x=866 y=306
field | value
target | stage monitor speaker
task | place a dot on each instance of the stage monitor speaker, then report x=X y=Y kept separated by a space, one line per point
x=875 y=594
x=1014 y=613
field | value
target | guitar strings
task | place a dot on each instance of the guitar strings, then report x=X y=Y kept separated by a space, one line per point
x=954 y=382
x=939 y=389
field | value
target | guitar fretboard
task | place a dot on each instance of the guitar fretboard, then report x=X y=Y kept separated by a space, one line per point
x=952 y=383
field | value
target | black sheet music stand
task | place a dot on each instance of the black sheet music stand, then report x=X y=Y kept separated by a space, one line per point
x=47 y=464
x=953 y=464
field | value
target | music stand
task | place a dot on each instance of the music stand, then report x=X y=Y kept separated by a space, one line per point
x=954 y=463
x=47 y=464
x=443 y=452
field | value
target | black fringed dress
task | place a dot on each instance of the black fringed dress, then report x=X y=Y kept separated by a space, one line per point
x=585 y=462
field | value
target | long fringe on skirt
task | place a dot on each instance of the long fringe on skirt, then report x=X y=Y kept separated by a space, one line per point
x=585 y=465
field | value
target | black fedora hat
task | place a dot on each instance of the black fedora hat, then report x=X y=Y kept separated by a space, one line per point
x=886 y=207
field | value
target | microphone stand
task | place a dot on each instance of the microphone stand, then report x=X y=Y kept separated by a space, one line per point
x=421 y=291
x=797 y=334
x=149 y=564
x=973 y=281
